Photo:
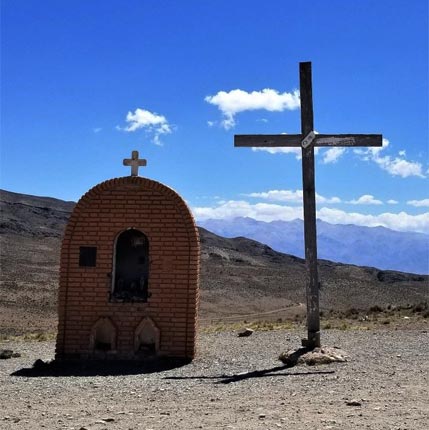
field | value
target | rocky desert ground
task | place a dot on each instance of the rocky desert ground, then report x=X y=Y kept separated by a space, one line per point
x=234 y=383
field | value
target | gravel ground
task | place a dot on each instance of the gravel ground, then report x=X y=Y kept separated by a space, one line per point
x=234 y=383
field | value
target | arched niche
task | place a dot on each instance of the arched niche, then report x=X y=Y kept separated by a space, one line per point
x=131 y=267
x=103 y=336
x=146 y=338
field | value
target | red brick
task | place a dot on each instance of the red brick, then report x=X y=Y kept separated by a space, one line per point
x=100 y=216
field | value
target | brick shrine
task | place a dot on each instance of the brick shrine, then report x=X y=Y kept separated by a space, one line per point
x=129 y=273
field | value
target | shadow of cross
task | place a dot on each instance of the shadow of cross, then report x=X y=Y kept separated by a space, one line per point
x=272 y=372
x=307 y=141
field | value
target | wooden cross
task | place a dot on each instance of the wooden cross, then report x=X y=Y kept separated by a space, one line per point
x=308 y=140
x=134 y=162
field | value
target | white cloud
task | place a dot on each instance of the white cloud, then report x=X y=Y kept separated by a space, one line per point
x=96 y=129
x=279 y=195
x=270 y=212
x=241 y=208
x=396 y=166
x=419 y=203
x=148 y=121
x=142 y=118
x=396 y=221
x=392 y=202
x=400 y=167
x=366 y=199
x=327 y=200
x=368 y=154
x=236 y=101
x=332 y=155
x=280 y=150
x=284 y=150
x=291 y=196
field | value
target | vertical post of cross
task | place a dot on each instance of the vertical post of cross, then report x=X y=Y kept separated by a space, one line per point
x=309 y=203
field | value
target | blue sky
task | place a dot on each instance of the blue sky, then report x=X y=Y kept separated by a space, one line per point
x=86 y=82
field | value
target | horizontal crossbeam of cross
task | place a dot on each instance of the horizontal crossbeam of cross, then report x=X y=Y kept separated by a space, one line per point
x=295 y=140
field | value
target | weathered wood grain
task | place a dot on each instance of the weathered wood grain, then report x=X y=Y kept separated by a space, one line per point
x=309 y=199
x=294 y=140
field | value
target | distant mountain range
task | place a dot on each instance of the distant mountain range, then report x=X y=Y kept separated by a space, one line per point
x=240 y=278
x=351 y=244
x=364 y=246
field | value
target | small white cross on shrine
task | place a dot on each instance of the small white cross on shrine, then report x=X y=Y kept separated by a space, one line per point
x=135 y=163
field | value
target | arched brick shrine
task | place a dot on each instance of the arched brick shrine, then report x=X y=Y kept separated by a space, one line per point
x=129 y=274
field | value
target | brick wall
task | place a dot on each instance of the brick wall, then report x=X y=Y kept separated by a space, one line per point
x=84 y=296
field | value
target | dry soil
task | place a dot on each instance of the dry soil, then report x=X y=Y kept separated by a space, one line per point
x=234 y=383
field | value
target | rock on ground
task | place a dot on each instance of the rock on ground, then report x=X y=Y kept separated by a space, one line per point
x=324 y=355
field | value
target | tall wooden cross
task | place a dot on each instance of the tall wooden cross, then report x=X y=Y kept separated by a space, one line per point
x=307 y=141
x=134 y=162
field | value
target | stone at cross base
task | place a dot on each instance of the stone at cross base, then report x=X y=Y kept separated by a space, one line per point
x=314 y=357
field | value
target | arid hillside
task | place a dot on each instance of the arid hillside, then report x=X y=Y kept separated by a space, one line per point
x=240 y=278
